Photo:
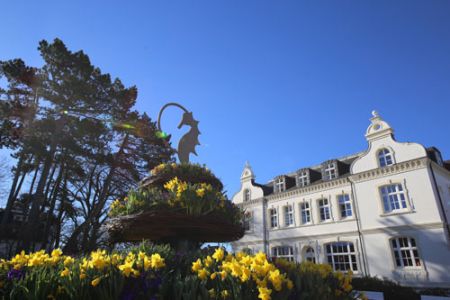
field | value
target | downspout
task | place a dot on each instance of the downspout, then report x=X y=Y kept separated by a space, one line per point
x=265 y=232
x=358 y=225
x=440 y=200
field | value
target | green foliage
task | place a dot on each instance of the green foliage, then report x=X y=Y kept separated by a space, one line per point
x=317 y=281
x=390 y=289
x=191 y=173
x=105 y=275
x=78 y=140
x=191 y=198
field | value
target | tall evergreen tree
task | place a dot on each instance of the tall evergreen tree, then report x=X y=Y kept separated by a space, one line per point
x=76 y=139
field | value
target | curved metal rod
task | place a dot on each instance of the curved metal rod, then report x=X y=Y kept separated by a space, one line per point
x=164 y=107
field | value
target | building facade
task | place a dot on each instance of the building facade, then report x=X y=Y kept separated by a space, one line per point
x=383 y=212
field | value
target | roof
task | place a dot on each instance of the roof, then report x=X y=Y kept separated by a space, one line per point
x=346 y=160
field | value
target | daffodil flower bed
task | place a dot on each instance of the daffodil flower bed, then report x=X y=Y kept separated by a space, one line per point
x=101 y=275
x=144 y=274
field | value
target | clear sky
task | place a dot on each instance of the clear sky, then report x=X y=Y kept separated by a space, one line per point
x=282 y=84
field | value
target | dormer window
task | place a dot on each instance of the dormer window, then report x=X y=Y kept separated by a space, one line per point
x=280 y=185
x=385 y=157
x=302 y=178
x=330 y=171
x=247 y=195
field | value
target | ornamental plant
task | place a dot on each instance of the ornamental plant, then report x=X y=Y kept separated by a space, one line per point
x=101 y=275
x=317 y=281
x=143 y=273
x=173 y=190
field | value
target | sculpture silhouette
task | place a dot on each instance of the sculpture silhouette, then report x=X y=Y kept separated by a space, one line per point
x=187 y=143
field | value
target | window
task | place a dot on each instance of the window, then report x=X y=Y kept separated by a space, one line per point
x=248 y=218
x=393 y=197
x=302 y=178
x=288 y=215
x=341 y=256
x=324 y=210
x=345 y=206
x=286 y=252
x=439 y=159
x=330 y=171
x=280 y=185
x=247 y=195
x=305 y=210
x=385 y=157
x=273 y=217
x=247 y=251
x=310 y=255
x=405 y=252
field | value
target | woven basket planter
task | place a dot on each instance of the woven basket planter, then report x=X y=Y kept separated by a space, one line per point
x=166 y=226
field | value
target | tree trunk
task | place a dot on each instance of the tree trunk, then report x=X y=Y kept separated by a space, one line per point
x=59 y=219
x=11 y=199
x=71 y=246
x=19 y=186
x=54 y=195
x=38 y=165
x=33 y=217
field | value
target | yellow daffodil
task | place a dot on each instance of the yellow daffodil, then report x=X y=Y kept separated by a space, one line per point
x=96 y=281
x=68 y=261
x=157 y=261
x=200 y=192
x=208 y=261
x=202 y=274
x=126 y=268
x=57 y=253
x=264 y=293
x=197 y=265
x=218 y=254
x=65 y=272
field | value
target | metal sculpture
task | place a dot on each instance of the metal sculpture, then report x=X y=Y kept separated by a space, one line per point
x=187 y=143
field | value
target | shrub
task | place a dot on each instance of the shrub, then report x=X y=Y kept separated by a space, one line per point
x=317 y=281
x=390 y=289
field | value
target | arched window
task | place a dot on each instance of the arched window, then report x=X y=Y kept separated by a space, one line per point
x=385 y=158
x=310 y=255
x=247 y=195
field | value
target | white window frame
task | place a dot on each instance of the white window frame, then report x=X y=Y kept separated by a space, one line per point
x=340 y=254
x=330 y=171
x=273 y=215
x=288 y=215
x=405 y=253
x=385 y=157
x=280 y=184
x=247 y=195
x=345 y=206
x=285 y=252
x=302 y=178
x=393 y=198
x=325 y=207
x=305 y=207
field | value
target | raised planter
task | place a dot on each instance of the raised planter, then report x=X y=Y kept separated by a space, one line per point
x=167 y=226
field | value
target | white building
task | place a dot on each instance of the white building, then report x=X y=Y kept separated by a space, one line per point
x=382 y=212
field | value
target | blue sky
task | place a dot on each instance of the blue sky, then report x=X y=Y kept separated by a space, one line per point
x=282 y=84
